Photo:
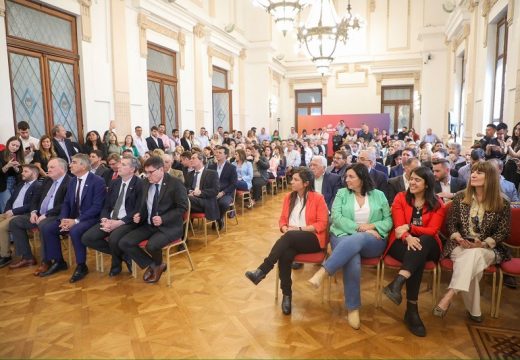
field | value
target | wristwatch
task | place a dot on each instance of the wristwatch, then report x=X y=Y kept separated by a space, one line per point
x=76 y=221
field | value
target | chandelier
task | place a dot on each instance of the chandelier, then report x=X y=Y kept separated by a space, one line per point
x=284 y=12
x=322 y=32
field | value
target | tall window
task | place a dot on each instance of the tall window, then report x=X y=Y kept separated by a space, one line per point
x=162 y=87
x=500 y=70
x=222 y=104
x=43 y=64
x=397 y=101
x=308 y=102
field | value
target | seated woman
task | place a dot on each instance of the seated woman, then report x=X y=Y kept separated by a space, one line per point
x=44 y=153
x=112 y=144
x=129 y=145
x=479 y=221
x=418 y=215
x=361 y=221
x=274 y=161
x=244 y=171
x=303 y=223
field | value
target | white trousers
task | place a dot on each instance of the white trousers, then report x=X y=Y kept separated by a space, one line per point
x=468 y=268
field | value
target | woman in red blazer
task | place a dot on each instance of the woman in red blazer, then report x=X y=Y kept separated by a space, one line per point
x=303 y=223
x=418 y=215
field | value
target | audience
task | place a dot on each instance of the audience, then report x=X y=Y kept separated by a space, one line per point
x=325 y=183
x=446 y=186
x=11 y=160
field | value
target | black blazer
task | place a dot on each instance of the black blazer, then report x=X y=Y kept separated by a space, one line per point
x=209 y=185
x=263 y=165
x=59 y=150
x=331 y=184
x=380 y=181
x=59 y=197
x=228 y=178
x=186 y=145
x=107 y=176
x=132 y=198
x=456 y=185
x=382 y=169
x=32 y=192
x=396 y=171
x=152 y=145
x=101 y=170
x=395 y=186
x=173 y=203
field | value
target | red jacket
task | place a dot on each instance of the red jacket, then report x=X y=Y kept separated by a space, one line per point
x=316 y=214
x=402 y=214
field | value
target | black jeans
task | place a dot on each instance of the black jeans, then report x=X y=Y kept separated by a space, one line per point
x=414 y=261
x=258 y=182
x=284 y=250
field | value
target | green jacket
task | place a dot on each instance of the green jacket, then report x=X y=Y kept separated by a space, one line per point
x=343 y=213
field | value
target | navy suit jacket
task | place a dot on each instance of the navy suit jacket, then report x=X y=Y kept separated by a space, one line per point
x=228 y=178
x=32 y=192
x=61 y=153
x=395 y=186
x=92 y=199
x=58 y=197
x=209 y=185
x=331 y=184
x=396 y=171
x=132 y=198
x=152 y=145
x=382 y=169
x=380 y=181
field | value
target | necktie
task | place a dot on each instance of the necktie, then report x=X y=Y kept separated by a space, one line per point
x=119 y=202
x=155 y=203
x=115 y=175
x=77 y=198
x=194 y=183
x=47 y=200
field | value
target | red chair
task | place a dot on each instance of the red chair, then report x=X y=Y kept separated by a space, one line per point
x=244 y=195
x=205 y=223
x=232 y=209
x=176 y=247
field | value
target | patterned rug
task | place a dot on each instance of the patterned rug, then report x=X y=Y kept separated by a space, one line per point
x=495 y=343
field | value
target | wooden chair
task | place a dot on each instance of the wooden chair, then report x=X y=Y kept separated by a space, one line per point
x=273 y=186
x=244 y=195
x=36 y=236
x=264 y=193
x=176 y=247
x=283 y=182
x=232 y=208
x=205 y=223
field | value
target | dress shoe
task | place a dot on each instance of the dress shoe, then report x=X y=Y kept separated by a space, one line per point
x=255 y=276
x=510 y=281
x=4 y=261
x=44 y=266
x=54 y=268
x=156 y=274
x=23 y=263
x=413 y=321
x=80 y=272
x=318 y=277
x=286 y=304
x=296 y=266
x=115 y=270
x=440 y=312
x=148 y=273
x=477 y=319
x=353 y=319
x=393 y=290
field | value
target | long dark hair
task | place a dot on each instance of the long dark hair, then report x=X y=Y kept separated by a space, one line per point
x=362 y=173
x=20 y=157
x=514 y=137
x=430 y=199
x=307 y=176
x=99 y=143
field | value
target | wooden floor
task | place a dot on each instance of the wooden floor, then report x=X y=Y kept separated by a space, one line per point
x=215 y=312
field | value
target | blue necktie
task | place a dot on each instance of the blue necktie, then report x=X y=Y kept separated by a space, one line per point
x=47 y=200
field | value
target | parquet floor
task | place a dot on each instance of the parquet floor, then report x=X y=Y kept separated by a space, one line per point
x=215 y=312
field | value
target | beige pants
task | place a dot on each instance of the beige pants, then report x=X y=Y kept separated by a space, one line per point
x=468 y=268
x=5 y=248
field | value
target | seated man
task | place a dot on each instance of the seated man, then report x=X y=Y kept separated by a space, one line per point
x=507 y=187
x=446 y=186
x=227 y=181
x=202 y=185
x=18 y=204
x=325 y=183
x=45 y=209
x=113 y=161
x=160 y=219
x=121 y=204
x=79 y=212
x=96 y=166
x=168 y=162
x=339 y=164
x=400 y=183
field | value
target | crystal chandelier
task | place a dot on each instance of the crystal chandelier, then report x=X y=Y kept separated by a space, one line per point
x=284 y=12
x=322 y=31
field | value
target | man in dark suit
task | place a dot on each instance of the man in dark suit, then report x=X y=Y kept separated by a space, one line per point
x=18 y=204
x=160 y=219
x=325 y=183
x=446 y=186
x=121 y=204
x=368 y=157
x=227 y=175
x=154 y=141
x=400 y=183
x=63 y=146
x=203 y=186
x=79 y=212
x=45 y=209
x=96 y=166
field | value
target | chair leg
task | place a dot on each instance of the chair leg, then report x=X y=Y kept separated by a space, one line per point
x=493 y=293
x=499 y=296
x=191 y=225
x=277 y=279
x=378 y=282
x=189 y=258
x=134 y=269
x=434 y=283
x=380 y=293
x=69 y=246
x=205 y=232
x=168 y=269
x=243 y=204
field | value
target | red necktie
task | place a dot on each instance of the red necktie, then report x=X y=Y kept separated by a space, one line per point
x=114 y=175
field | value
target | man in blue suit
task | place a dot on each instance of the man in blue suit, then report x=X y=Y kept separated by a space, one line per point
x=18 y=204
x=325 y=183
x=227 y=175
x=507 y=187
x=79 y=212
x=368 y=158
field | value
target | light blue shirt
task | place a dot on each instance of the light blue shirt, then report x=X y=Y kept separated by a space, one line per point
x=21 y=195
x=245 y=172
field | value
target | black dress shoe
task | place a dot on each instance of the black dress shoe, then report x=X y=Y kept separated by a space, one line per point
x=393 y=290
x=413 y=321
x=4 y=261
x=115 y=270
x=296 y=266
x=80 y=272
x=54 y=268
x=128 y=263
x=477 y=319
x=510 y=281
x=286 y=304
x=255 y=276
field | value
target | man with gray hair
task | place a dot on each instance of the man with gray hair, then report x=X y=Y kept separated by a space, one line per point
x=368 y=158
x=121 y=204
x=507 y=187
x=325 y=183
x=79 y=212
x=45 y=209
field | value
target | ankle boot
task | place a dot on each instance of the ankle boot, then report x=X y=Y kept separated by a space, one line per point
x=413 y=321
x=393 y=290
x=286 y=304
x=255 y=276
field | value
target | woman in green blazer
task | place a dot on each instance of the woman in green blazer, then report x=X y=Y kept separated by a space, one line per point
x=361 y=221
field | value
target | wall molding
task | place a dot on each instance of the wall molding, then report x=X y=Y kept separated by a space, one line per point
x=408 y=18
x=351 y=69
x=86 y=22
x=229 y=58
x=415 y=75
x=2 y=8
x=315 y=80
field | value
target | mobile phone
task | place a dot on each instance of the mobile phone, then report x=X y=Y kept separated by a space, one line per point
x=470 y=239
x=28 y=148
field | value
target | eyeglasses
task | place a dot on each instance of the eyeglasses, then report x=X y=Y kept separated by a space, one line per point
x=150 y=172
x=476 y=223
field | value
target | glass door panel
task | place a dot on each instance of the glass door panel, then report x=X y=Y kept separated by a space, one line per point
x=154 y=103
x=63 y=94
x=403 y=116
x=170 y=113
x=390 y=110
x=222 y=109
